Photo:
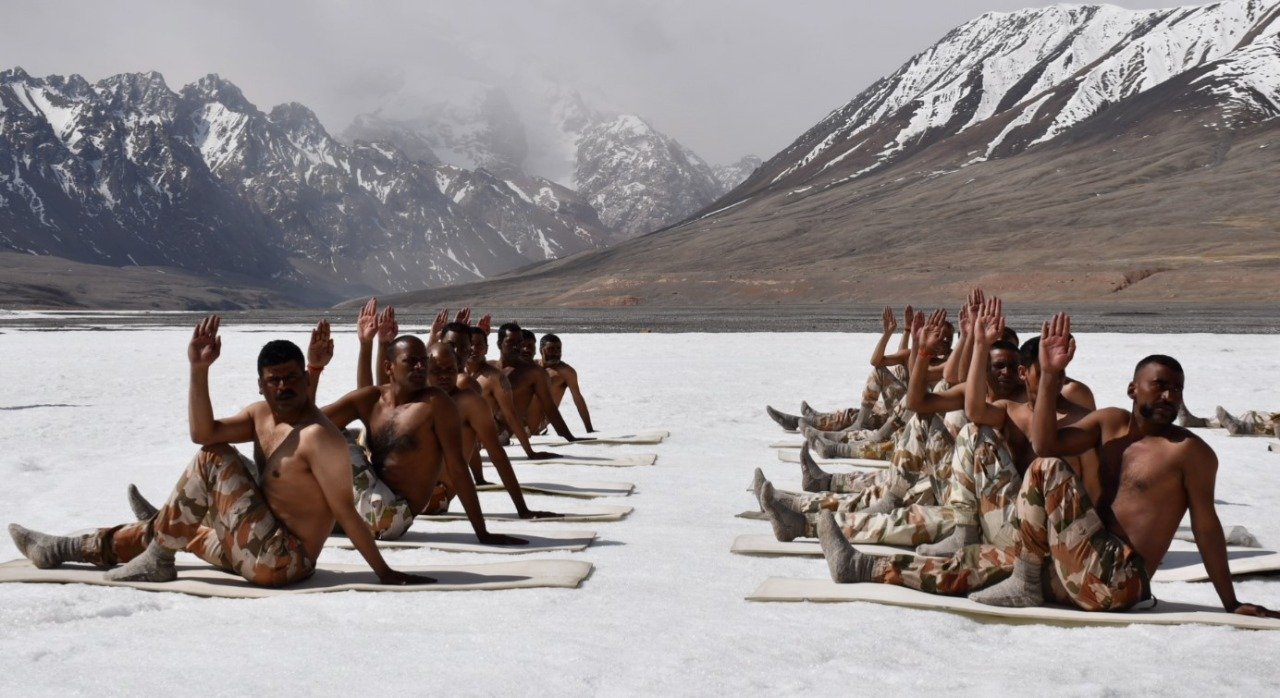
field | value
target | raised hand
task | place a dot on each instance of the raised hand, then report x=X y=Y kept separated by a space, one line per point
x=388 y=328
x=889 y=321
x=367 y=322
x=988 y=327
x=966 y=321
x=975 y=301
x=934 y=333
x=463 y=316
x=485 y=323
x=320 y=348
x=1057 y=346
x=915 y=328
x=908 y=317
x=206 y=345
x=437 y=325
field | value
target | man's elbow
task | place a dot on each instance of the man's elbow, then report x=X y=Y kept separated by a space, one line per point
x=201 y=437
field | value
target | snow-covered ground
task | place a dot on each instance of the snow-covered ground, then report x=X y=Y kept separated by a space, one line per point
x=83 y=413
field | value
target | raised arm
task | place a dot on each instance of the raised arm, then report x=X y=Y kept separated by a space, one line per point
x=205 y=348
x=890 y=325
x=319 y=354
x=988 y=327
x=571 y=380
x=1057 y=348
x=446 y=422
x=388 y=330
x=366 y=331
x=929 y=337
x=956 y=368
x=326 y=453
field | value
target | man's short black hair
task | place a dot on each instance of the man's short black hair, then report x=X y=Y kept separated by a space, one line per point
x=279 y=351
x=477 y=331
x=528 y=334
x=461 y=328
x=1004 y=346
x=1167 y=361
x=1029 y=354
x=505 y=329
x=394 y=349
x=1010 y=336
x=547 y=339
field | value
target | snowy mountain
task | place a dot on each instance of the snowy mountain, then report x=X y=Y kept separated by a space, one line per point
x=126 y=171
x=636 y=177
x=1035 y=73
x=1060 y=154
x=733 y=174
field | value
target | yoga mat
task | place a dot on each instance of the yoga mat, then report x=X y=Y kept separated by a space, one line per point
x=202 y=580
x=1165 y=612
x=596 y=512
x=623 y=461
x=1181 y=564
x=787 y=443
x=794 y=457
x=753 y=514
x=606 y=439
x=580 y=490
x=1238 y=536
x=465 y=542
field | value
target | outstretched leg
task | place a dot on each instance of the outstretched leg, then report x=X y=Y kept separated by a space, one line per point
x=784 y=420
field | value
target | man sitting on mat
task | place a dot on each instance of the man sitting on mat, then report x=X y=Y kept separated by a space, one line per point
x=563 y=378
x=271 y=532
x=1100 y=556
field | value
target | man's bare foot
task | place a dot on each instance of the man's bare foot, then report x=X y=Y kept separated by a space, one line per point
x=155 y=564
x=784 y=420
x=1022 y=589
x=812 y=478
x=46 y=551
x=846 y=564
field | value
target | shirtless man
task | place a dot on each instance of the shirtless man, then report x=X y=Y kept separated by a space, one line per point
x=528 y=380
x=414 y=433
x=478 y=429
x=496 y=390
x=1100 y=557
x=270 y=534
x=563 y=377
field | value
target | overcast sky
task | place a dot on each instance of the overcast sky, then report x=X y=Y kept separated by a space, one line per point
x=724 y=77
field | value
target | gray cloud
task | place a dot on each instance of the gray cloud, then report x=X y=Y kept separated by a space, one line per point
x=725 y=77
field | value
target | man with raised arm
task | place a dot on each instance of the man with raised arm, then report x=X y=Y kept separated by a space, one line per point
x=269 y=533
x=563 y=378
x=528 y=380
x=414 y=433
x=1100 y=557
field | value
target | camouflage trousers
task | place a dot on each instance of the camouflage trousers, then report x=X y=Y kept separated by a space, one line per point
x=387 y=514
x=242 y=535
x=1257 y=423
x=884 y=390
x=1091 y=568
x=984 y=485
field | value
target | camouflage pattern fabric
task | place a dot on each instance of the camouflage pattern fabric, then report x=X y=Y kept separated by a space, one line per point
x=1097 y=571
x=1257 y=423
x=984 y=485
x=974 y=567
x=910 y=525
x=884 y=390
x=387 y=513
x=245 y=537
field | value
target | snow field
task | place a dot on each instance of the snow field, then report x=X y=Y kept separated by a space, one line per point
x=83 y=413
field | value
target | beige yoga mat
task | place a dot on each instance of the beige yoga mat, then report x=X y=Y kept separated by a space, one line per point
x=1181 y=564
x=594 y=512
x=620 y=461
x=603 y=439
x=787 y=443
x=202 y=580
x=1164 y=613
x=465 y=542
x=579 y=490
x=793 y=456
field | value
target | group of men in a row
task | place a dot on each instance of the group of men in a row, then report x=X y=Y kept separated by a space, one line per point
x=427 y=408
x=1008 y=482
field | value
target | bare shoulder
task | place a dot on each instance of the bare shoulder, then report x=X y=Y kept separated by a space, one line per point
x=320 y=434
x=1078 y=393
x=1191 y=447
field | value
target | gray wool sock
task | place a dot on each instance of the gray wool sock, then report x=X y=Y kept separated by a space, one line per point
x=864 y=410
x=806 y=410
x=1020 y=590
x=1186 y=419
x=46 y=551
x=787 y=421
x=1228 y=422
x=846 y=564
x=757 y=482
x=142 y=509
x=788 y=525
x=812 y=478
x=155 y=564
x=965 y=534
